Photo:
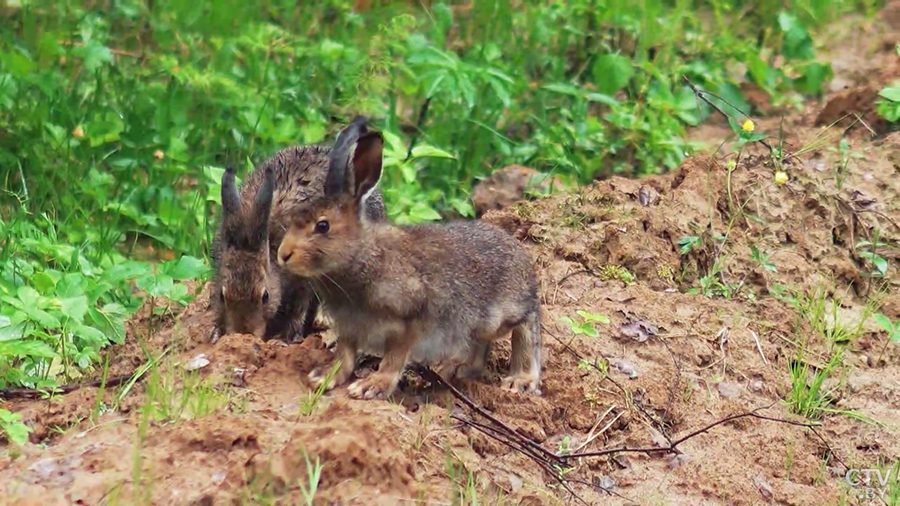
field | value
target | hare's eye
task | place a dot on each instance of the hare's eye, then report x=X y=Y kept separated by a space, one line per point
x=322 y=227
x=265 y=297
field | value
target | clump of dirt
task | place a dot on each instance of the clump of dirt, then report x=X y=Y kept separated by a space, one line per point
x=509 y=185
x=847 y=108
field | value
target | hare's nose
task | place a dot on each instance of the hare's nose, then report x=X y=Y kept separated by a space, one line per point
x=285 y=256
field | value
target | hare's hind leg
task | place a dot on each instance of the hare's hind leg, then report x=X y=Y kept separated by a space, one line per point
x=525 y=357
x=474 y=367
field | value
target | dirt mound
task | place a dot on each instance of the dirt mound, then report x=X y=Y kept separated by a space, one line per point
x=847 y=108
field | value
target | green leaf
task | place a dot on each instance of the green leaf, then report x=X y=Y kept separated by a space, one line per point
x=186 y=267
x=93 y=55
x=104 y=128
x=29 y=297
x=126 y=271
x=612 y=72
x=884 y=322
x=111 y=321
x=94 y=336
x=587 y=328
x=425 y=151
x=421 y=212
x=42 y=318
x=15 y=430
x=797 y=43
x=592 y=317
x=601 y=98
x=156 y=286
x=75 y=307
x=44 y=283
x=891 y=93
x=814 y=77
x=26 y=348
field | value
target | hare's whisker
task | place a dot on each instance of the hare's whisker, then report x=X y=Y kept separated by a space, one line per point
x=337 y=285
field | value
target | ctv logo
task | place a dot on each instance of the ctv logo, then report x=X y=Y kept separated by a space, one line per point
x=871 y=483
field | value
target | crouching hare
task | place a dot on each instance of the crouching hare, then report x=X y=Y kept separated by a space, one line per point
x=251 y=294
x=436 y=294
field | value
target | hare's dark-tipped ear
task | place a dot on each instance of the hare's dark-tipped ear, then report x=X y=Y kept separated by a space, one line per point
x=231 y=201
x=339 y=179
x=367 y=161
x=262 y=206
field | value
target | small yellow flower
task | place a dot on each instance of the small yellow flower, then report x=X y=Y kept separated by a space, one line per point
x=781 y=177
x=78 y=132
x=748 y=125
x=159 y=155
x=731 y=164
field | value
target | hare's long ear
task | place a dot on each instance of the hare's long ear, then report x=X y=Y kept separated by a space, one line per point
x=367 y=161
x=339 y=179
x=231 y=201
x=262 y=206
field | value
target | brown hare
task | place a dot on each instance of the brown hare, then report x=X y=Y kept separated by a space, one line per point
x=437 y=295
x=250 y=293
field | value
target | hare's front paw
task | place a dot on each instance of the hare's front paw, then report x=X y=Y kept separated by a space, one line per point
x=320 y=374
x=527 y=383
x=376 y=386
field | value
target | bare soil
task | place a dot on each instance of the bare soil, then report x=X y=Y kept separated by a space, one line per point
x=677 y=361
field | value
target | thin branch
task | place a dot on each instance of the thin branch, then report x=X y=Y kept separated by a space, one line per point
x=673 y=446
x=437 y=379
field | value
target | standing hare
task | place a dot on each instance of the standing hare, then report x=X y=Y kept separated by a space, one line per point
x=436 y=295
x=251 y=294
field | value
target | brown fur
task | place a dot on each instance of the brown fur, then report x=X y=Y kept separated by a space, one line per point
x=248 y=238
x=436 y=294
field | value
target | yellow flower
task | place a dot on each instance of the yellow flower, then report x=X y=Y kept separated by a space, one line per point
x=748 y=125
x=78 y=132
x=781 y=177
x=159 y=155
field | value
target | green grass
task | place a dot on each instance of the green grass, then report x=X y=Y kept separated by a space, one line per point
x=116 y=122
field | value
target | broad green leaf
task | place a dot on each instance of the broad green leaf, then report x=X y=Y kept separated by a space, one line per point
x=126 y=271
x=44 y=283
x=891 y=93
x=421 y=212
x=797 y=43
x=93 y=55
x=612 y=72
x=26 y=348
x=94 y=336
x=29 y=296
x=111 y=321
x=156 y=286
x=43 y=318
x=75 y=307
x=186 y=267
